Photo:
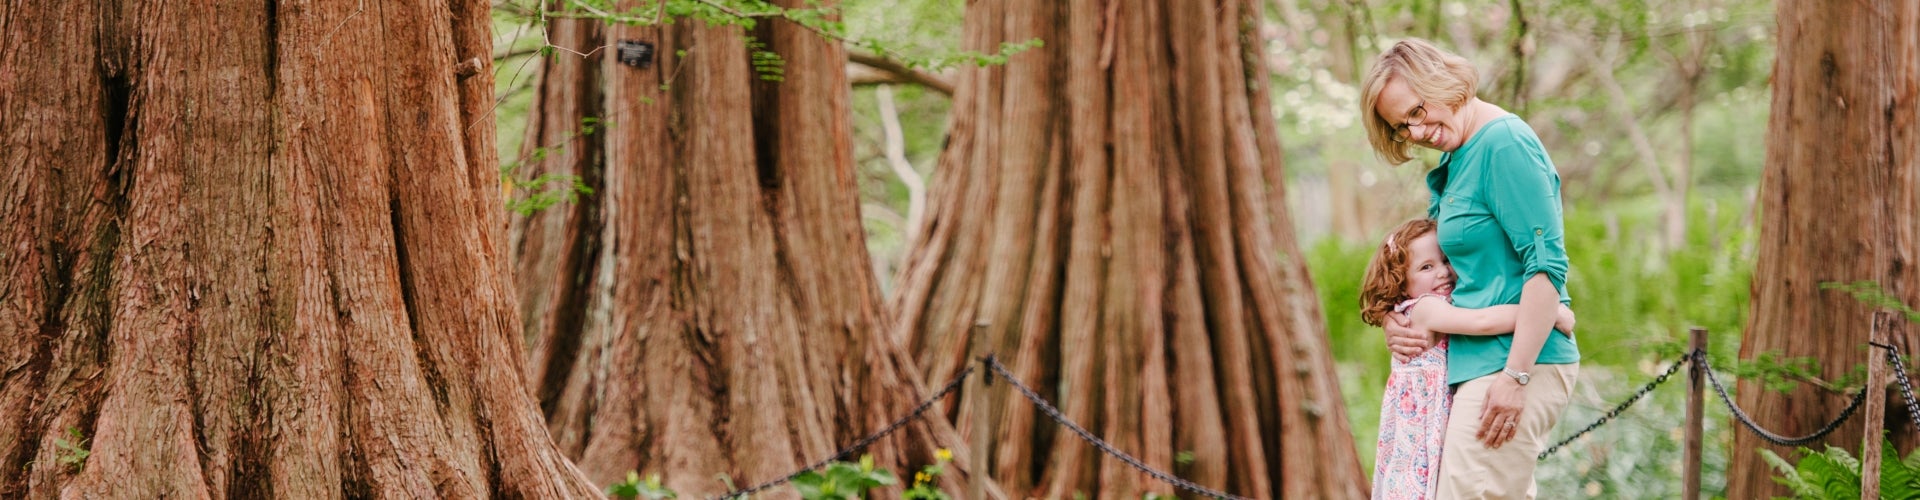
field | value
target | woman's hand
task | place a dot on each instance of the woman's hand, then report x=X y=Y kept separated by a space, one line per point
x=1500 y=416
x=1564 y=321
x=1403 y=339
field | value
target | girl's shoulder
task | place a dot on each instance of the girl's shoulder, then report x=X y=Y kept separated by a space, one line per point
x=1407 y=305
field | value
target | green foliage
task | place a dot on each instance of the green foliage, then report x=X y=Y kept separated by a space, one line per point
x=528 y=195
x=1835 y=474
x=1782 y=374
x=767 y=64
x=843 y=481
x=1633 y=298
x=748 y=14
x=71 y=450
x=839 y=481
x=1870 y=293
x=1642 y=452
x=940 y=62
x=545 y=191
x=1360 y=350
x=1831 y=475
x=634 y=487
x=926 y=482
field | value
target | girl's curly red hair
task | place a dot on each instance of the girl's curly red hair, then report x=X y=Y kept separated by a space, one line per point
x=1385 y=283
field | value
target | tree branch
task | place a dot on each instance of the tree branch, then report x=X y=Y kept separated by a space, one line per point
x=897 y=157
x=900 y=72
x=502 y=56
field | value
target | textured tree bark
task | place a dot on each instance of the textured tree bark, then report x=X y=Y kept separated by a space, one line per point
x=252 y=250
x=710 y=309
x=1108 y=214
x=1838 y=200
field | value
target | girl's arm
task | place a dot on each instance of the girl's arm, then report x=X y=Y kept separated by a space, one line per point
x=1441 y=316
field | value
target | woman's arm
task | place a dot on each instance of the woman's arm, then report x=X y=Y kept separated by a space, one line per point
x=1537 y=298
x=1506 y=398
x=1441 y=316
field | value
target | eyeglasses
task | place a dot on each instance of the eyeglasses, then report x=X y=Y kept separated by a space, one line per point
x=1416 y=116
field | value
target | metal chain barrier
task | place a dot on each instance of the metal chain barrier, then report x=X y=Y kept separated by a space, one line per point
x=863 y=442
x=1697 y=357
x=1707 y=367
x=1048 y=408
x=1900 y=375
x=1615 y=412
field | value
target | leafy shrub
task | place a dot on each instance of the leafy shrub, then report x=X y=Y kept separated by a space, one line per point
x=926 y=482
x=1835 y=474
x=839 y=481
x=843 y=481
x=633 y=488
x=1642 y=452
x=71 y=450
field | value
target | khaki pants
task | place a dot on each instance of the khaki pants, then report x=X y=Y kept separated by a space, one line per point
x=1470 y=470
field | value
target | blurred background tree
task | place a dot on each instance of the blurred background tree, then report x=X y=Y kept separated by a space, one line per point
x=702 y=306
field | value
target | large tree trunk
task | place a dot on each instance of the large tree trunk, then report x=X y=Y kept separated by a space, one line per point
x=1108 y=218
x=254 y=250
x=710 y=309
x=1839 y=199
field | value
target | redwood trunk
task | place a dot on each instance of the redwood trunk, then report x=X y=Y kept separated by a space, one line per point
x=254 y=250
x=1839 y=198
x=1108 y=219
x=710 y=309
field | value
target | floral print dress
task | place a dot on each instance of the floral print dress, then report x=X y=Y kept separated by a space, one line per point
x=1413 y=420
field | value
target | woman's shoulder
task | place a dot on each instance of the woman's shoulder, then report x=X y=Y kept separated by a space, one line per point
x=1507 y=142
x=1507 y=130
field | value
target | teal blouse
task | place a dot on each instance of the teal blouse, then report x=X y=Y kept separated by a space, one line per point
x=1497 y=200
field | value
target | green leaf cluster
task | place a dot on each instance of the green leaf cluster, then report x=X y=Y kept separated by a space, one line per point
x=1870 y=293
x=1835 y=474
x=635 y=488
x=926 y=482
x=71 y=450
x=547 y=190
x=843 y=481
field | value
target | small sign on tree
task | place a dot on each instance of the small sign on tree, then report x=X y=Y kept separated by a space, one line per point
x=636 y=53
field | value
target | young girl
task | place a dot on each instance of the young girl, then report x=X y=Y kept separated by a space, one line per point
x=1409 y=275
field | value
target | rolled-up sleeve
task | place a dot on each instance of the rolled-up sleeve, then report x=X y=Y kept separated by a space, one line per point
x=1525 y=201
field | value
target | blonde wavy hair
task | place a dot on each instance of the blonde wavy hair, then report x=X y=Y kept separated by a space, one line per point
x=1437 y=76
x=1385 y=283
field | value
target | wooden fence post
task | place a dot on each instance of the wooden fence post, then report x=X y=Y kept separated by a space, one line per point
x=1876 y=409
x=1696 y=399
x=981 y=429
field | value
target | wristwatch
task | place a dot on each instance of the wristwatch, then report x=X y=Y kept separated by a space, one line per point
x=1517 y=376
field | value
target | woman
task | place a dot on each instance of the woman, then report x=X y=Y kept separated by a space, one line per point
x=1497 y=199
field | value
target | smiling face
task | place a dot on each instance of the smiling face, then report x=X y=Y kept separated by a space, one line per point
x=1427 y=269
x=1423 y=88
x=1424 y=122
